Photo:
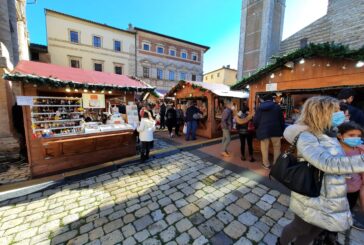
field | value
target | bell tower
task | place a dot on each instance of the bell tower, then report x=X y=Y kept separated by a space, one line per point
x=260 y=33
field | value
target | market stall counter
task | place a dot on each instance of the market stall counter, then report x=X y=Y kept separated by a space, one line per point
x=69 y=126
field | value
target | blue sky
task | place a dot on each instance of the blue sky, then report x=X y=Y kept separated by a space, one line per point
x=215 y=23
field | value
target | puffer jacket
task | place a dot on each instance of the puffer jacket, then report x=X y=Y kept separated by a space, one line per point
x=331 y=209
x=146 y=129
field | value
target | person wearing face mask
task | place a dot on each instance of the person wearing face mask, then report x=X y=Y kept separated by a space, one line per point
x=350 y=136
x=330 y=210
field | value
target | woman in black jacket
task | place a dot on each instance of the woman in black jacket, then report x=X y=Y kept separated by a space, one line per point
x=242 y=121
x=171 y=121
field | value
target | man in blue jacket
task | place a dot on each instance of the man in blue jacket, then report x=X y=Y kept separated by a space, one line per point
x=192 y=120
x=269 y=125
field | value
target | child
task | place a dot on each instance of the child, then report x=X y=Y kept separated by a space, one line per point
x=146 y=129
x=350 y=136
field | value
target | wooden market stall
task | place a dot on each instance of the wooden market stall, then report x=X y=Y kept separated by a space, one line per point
x=72 y=117
x=318 y=69
x=210 y=100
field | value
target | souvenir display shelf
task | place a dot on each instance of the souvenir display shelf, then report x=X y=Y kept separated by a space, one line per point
x=56 y=116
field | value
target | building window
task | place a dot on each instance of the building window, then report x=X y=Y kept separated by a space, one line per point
x=96 y=41
x=160 y=50
x=184 y=55
x=146 y=72
x=172 y=52
x=74 y=37
x=193 y=77
x=206 y=78
x=118 y=69
x=117 y=46
x=182 y=75
x=218 y=74
x=303 y=42
x=75 y=63
x=146 y=46
x=159 y=73
x=212 y=76
x=194 y=57
x=98 y=66
x=171 y=75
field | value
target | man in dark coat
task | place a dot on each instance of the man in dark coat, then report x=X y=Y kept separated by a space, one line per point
x=346 y=96
x=269 y=125
x=162 y=114
x=191 y=120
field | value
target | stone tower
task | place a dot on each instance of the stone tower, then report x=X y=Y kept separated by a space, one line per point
x=260 y=33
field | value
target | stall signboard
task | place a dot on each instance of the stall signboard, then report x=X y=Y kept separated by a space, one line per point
x=271 y=87
x=93 y=100
x=132 y=115
x=24 y=100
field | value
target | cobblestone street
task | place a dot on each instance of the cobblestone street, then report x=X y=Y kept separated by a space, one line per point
x=178 y=199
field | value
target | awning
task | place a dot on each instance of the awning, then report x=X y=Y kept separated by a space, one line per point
x=60 y=76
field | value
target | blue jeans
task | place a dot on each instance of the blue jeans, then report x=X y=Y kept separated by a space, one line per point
x=191 y=130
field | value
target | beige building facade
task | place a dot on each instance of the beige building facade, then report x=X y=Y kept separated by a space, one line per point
x=224 y=75
x=164 y=60
x=80 y=43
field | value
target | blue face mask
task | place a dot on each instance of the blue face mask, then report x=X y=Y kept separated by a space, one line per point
x=353 y=141
x=338 y=118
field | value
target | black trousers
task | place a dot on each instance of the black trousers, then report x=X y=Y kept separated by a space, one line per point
x=145 y=149
x=163 y=122
x=177 y=129
x=304 y=232
x=248 y=138
x=352 y=198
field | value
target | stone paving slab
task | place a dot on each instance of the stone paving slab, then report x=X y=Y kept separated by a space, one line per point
x=178 y=199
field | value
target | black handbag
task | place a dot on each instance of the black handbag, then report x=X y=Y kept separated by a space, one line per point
x=296 y=174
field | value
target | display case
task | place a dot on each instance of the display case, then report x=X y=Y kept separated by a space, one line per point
x=56 y=116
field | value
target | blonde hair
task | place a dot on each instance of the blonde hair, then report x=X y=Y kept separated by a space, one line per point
x=317 y=113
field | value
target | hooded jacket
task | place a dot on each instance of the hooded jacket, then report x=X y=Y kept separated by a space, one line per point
x=268 y=120
x=331 y=209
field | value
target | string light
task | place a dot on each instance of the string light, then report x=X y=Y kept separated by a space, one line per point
x=313 y=64
x=102 y=91
x=76 y=90
x=302 y=61
x=359 y=64
x=110 y=92
x=328 y=65
x=344 y=67
x=272 y=75
x=93 y=91
x=85 y=90
x=68 y=90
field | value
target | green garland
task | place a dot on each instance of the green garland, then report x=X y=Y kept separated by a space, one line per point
x=180 y=85
x=43 y=81
x=329 y=50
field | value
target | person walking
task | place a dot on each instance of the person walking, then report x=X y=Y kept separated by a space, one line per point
x=171 y=121
x=180 y=118
x=269 y=125
x=243 y=118
x=330 y=210
x=227 y=126
x=192 y=113
x=162 y=113
x=346 y=96
x=146 y=129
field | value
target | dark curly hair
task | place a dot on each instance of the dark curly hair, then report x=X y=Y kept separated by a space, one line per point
x=345 y=127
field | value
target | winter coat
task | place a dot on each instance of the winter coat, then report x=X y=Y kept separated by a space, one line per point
x=268 y=121
x=162 y=110
x=180 y=116
x=356 y=115
x=171 y=117
x=146 y=129
x=331 y=209
x=190 y=112
x=227 y=119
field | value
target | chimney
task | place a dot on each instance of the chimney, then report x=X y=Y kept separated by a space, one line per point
x=228 y=66
x=130 y=27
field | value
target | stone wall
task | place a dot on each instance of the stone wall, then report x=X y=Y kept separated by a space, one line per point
x=343 y=23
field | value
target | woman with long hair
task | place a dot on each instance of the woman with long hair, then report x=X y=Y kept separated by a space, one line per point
x=319 y=146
